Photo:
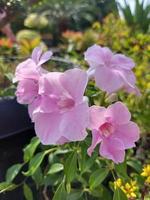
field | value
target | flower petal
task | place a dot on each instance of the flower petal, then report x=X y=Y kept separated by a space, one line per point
x=75 y=82
x=128 y=77
x=27 y=90
x=26 y=70
x=122 y=61
x=50 y=84
x=112 y=149
x=129 y=82
x=128 y=134
x=96 y=55
x=45 y=57
x=34 y=108
x=95 y=140
x=108 y=79
x=118 y=113
x=62 y=140
x=42 y=104
x=74 y=122
x=48 y=105
x=96 y=117
x=47 y=128
x=36 y=54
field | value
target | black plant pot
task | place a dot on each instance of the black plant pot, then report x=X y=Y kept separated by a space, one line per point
x=16 y=130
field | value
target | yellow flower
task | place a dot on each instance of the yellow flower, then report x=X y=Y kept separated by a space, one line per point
x=146 y=173
x=129 y=188
x=118 y=183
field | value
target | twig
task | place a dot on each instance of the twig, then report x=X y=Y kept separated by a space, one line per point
x=45 y=193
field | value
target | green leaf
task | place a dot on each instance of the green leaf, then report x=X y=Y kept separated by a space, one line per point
x=38 y=177
x=29 y=150
x=85 y=161
x=57 y=167
x=101 y=192
x=90 y=161
x=119 y=195
x=27 y=192
x=75 y=195
x=97 y=177
x=5 y=186
x=71 y=167
x=135 y=165
x=121 y=170
x=106 y=194
x=53 y=179
x=60 y=193
x=97 y=192
x=9 y=76
x=35 y=162
x=12 y=172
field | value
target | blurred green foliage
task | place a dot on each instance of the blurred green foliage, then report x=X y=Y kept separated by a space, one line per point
x=140 y=19
x=35 y=20
x=27 y=41
x=75 y=15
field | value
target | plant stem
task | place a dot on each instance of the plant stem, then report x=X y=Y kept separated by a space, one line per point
x=45 y=193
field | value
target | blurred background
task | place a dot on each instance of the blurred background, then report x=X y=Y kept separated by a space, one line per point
x=68 y=28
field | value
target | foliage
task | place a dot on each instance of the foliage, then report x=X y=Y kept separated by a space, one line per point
x=6 y=87
x=13 y=8
x=28 y=40
x=140 y=18
x=27 y=35
x=75 y=15
x=34 y=20
x=7 y=47
x=71 y=174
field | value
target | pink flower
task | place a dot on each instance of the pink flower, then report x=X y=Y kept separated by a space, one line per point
x=60 y=113
x=112 y=129
x=27 y=91
x=111 y=71
x=28 y=74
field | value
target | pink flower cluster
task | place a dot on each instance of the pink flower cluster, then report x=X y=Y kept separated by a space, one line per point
x=60 y=111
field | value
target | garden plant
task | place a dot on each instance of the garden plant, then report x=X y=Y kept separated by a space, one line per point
x=83 y=132
x=82 y=75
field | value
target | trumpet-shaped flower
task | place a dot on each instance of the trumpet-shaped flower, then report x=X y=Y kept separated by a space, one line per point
x=111 y=71
x=28 y=74
x=60 y=113
x=112 y=128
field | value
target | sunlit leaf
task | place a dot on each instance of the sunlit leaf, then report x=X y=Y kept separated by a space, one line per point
x=30 y=149
x=5 y=186
x=56 y=167
x=12 y=172
x=35 y=162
